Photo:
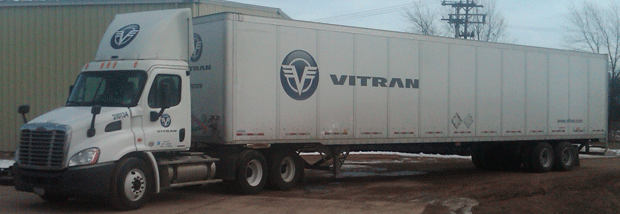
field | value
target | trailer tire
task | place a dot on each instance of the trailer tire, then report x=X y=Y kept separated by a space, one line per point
x=542 y=157
x=132 y=184
x=285 y=170
x=251 y=172
x=565 y=158
x=54 y=198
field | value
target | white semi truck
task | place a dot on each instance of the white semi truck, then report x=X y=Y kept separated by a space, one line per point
x=236 y=98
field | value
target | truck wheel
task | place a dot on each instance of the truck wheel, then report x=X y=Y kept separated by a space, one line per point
x=542 y=157
x=54 y=198
x=564 y=156
x=285 y=170
x=132 y=184
x=251 y=172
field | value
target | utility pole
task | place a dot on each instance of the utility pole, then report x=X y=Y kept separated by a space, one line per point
x=457 y=18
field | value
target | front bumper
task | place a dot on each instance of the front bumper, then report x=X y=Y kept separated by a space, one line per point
x=81 y=181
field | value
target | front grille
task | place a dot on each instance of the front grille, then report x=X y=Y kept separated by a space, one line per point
x=42 y=149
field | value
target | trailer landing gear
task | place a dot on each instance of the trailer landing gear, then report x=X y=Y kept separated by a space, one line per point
x=337 y=154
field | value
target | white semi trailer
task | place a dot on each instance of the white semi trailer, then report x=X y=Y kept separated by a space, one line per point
x=235 y=98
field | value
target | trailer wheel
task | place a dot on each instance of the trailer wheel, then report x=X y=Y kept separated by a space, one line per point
x=132 y=184
x=564 y=156
x=285 y=170
x=251 y=172
x=542 y=157
x=54 y=198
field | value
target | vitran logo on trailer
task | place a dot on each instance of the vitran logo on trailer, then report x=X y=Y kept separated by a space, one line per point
x=197 y=48
x=299 y=75
x=124 y=36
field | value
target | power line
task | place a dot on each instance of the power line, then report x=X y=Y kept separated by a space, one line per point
x=373 y=12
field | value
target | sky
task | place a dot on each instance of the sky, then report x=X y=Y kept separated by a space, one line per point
x=539 y=23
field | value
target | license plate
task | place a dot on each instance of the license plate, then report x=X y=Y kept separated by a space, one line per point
x=39 y=191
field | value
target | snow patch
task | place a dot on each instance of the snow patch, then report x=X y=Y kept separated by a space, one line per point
x=357 y=174
x=414 y=155
x=5 y=164
x=354 y=166
x=417 y=155
x=378 y=161
x=458 y=205
x=606 y=153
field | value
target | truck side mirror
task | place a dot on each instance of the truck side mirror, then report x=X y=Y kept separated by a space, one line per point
x=23 y=110
x=95 y=111
x=154 y=116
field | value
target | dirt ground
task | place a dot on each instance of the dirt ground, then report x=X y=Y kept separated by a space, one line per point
x=380 y=183
x=447 y=185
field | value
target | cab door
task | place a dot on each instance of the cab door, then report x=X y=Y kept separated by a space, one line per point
x=166 y=121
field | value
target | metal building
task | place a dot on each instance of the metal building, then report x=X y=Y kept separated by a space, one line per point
x=44 y=44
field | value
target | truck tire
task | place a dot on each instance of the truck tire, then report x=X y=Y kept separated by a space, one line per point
x=542 y=158
x=565 y=158
x=132 y=184
x=251 y=173
x=55 y=198
x=285 y=170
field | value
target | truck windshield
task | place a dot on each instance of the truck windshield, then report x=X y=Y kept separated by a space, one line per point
x=108 y=88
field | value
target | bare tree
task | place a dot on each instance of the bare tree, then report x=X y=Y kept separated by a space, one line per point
x=494 y=29
x=597 y=30
x=423 y=20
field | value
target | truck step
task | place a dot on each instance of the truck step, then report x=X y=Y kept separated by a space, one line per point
x=196 y=183
x=208 y=160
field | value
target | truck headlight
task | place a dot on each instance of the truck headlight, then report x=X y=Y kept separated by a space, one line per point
x=85 y=157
